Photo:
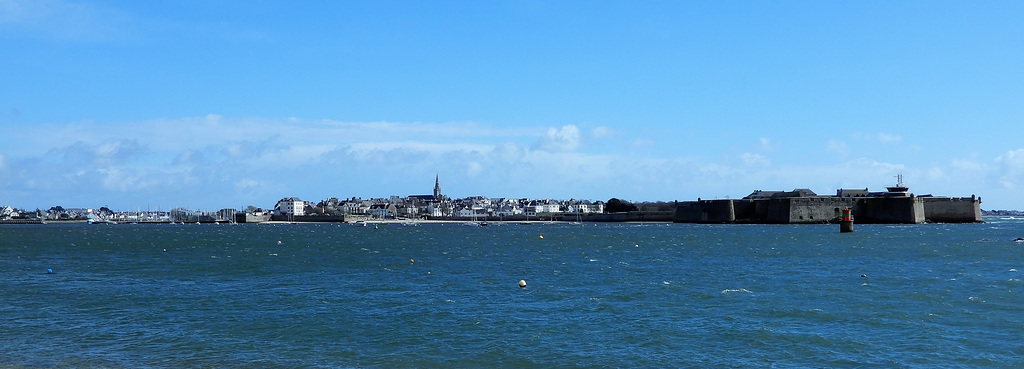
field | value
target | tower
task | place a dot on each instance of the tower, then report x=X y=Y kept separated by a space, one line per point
x=437 y=188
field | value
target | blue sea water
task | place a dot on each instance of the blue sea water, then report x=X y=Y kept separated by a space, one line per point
x=649 y=295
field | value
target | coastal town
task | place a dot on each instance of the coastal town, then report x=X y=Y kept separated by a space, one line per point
x=896 y=205
x=435 y=206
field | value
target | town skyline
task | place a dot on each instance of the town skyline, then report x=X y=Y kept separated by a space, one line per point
x=437 y=195
x=436 y=192
x=225 y=104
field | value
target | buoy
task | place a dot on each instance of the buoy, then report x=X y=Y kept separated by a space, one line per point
x=411 y=261
x=522 y=283
x=50 y=271
x=278 y=242
x=165 y=250
x=863 y=275
x=541 y=236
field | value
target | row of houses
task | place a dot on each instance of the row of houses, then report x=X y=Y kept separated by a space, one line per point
x=54 y=213
x=419 y=206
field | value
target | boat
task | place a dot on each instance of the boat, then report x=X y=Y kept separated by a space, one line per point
x=579 y=220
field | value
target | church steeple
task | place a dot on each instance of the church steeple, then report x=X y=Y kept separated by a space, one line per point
x=437 y=188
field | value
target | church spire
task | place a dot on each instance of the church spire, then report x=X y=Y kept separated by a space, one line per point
x=437 y=187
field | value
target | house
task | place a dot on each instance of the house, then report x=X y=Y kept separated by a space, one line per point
x=383 y=211
x=508 y=210
x=440 y=209
x=547 y=207
x=290 y=206
x=8 y=212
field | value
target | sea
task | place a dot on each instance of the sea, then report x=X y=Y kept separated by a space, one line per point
x=447 y=295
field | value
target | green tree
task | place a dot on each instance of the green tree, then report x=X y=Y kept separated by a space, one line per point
x=615 y=205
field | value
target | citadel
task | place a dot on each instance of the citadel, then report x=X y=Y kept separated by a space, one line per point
x=896 y=205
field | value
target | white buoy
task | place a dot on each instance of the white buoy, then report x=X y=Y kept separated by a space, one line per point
x=522 y=283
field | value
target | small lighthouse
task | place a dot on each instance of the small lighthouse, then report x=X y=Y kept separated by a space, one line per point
x=846 y=221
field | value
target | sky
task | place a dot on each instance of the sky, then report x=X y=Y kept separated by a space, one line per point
x=225 y=104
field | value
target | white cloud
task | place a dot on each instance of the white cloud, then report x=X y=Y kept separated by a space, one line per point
x=936 y=174
x=424 y=147
x=473 y=169
x=601 y=132
x=837 y=147
x=300 y=155
x=65 y=20
x=967 y=164
x=121 y=179
x=641 y=143
x=230 y=162
x=1009 y=172
x=564 y=139
x=756 y=160
x=766 y=144
x=877 y=137
x=889 y=138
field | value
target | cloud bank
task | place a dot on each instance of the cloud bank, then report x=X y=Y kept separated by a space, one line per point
x=215 y=162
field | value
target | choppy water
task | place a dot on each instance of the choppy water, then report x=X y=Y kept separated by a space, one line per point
x=442 y=296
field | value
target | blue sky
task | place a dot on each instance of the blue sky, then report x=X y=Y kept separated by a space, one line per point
x=212 y=104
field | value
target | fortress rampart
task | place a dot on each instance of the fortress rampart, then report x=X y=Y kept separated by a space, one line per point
x=803 y=207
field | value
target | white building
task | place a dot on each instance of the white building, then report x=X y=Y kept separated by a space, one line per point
x=439 y=209
x=7 y=212
x=508 y=211
x=548 y=208
x=290 y=206
x=586 y=208
x=383 y=211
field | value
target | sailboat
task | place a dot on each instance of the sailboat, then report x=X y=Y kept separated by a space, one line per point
x=579 y=219
x=473 y=222
x=527 y=221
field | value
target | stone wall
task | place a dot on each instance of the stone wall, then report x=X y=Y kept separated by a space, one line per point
x=810 y=210
x=952 y=209
x=889 y=210
x=825 y=209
